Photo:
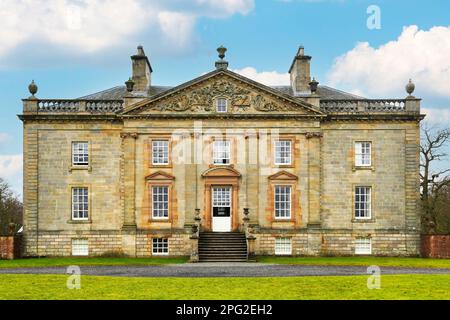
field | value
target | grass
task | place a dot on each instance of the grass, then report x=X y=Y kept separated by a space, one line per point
x=62 y=262
x=53 y=287
x=360 y=261
x=331 y=261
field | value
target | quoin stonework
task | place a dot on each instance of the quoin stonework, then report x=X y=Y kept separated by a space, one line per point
x=221 y=168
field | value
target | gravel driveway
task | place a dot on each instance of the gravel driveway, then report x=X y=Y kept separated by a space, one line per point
x=224 y=270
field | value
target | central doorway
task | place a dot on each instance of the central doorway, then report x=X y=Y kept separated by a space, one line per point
x=221 y=208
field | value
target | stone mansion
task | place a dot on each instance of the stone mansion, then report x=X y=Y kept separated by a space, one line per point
x=221 y=168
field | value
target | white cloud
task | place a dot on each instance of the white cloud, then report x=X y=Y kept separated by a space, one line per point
x=436 y=116
x=10 y=165
x=418 y=54
x=177 y=27
x=269 y=78
x=11 y=170
x=87 y=26
x=4 y=137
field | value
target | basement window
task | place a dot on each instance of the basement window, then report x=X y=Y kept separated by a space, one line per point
x=80 y=247
x=363 y=246
x=283 y=246
x=160 y=246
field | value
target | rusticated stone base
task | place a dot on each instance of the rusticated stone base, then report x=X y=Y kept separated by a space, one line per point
x=315 y=242
x=339 y=243
x=113 y=243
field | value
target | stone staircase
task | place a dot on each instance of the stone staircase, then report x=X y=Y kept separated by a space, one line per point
x=222 y=247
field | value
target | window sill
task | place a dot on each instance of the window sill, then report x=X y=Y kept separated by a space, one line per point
x=221 y=165
x=160 y=166
x=284 y=165
x=283 y=220
x=80 y=168
x=79 y=221
x=159 y=220
x=371 y=220
x=369 y=168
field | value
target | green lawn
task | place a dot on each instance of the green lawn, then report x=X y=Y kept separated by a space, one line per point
x=337 y=261
x=62 y=262
x=45 y=287
x=360 y=261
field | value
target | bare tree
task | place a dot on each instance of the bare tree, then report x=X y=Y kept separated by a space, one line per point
x=11 y=209
x=432 y=181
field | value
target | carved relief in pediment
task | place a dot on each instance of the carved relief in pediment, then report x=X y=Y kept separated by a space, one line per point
x=241 y=98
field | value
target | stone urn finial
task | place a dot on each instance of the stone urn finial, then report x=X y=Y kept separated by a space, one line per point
x=130 y=85
x=221 y=64
x=33 y=88
x=221 y=50
x=410 y=87
x=11 y=228
x=313 y=85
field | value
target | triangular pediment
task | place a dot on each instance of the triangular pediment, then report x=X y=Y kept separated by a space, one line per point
x=221 y=172
x=243 y=96
x=160 y=175
x=283 y=175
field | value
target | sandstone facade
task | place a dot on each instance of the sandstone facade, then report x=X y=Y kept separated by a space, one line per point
x=322 y=127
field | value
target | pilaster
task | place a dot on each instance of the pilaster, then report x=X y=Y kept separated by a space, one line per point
x=129 y=179
x=314 y=140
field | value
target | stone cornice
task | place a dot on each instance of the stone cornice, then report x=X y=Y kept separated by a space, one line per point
x=318 y=117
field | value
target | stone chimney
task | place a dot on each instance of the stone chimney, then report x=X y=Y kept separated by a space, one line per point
x=300 y=73
x=142 y=71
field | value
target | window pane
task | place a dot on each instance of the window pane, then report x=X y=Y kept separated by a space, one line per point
x=283 y=202
x=80 y=155
x=363 y=202
x=80 y=203
x=160 y=152
x=282 y=152
x=363 y=153
x=160 y=246
x=221 y=105
x=363 y=246
x=160 y=205
x=283 y=246
x=80 y=247
x=221 y=152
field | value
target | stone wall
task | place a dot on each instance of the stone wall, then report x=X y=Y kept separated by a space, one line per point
x=435 y=246
x=10 y=247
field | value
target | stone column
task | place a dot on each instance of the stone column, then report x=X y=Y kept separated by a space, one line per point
x=128 y=192
x=314 y=178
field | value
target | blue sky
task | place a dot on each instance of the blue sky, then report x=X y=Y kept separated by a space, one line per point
x=73 y=48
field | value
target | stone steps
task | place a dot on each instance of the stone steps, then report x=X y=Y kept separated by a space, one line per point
x=222 y=247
